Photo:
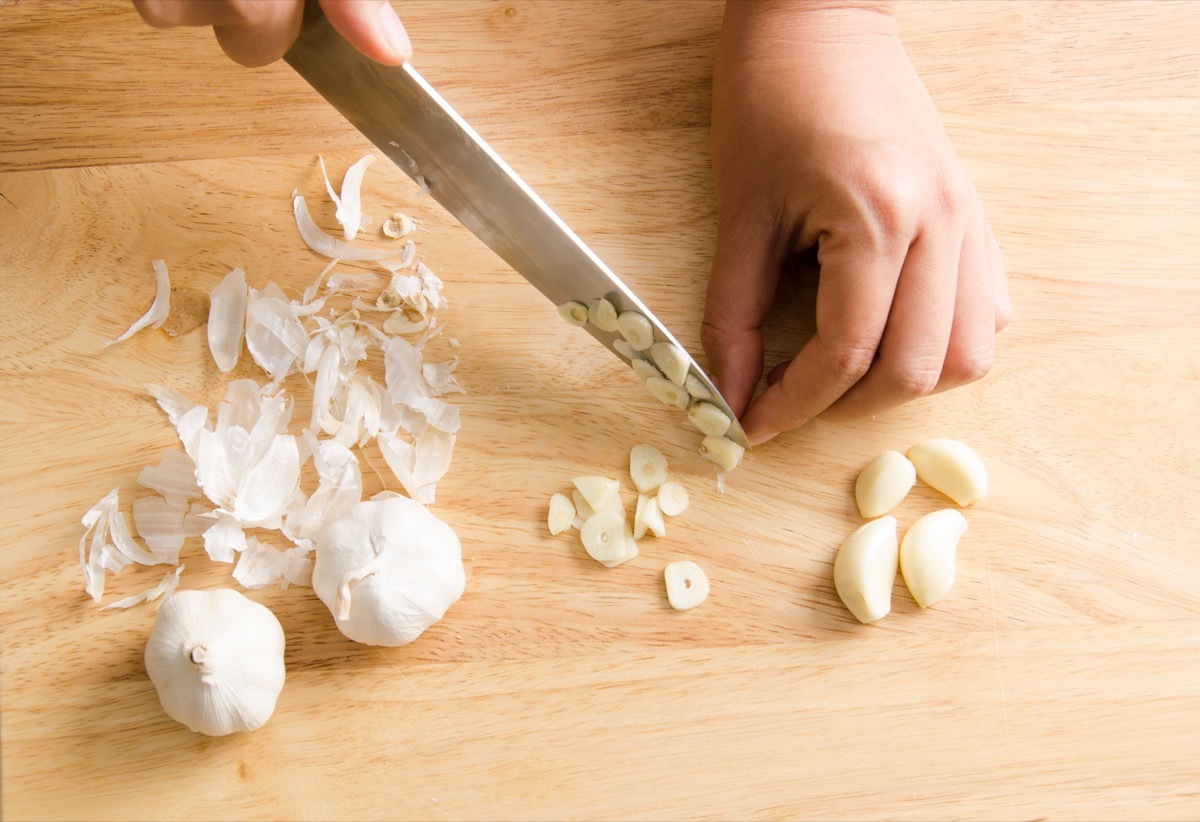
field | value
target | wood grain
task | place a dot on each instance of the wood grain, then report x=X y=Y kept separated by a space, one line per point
x=1060 y=680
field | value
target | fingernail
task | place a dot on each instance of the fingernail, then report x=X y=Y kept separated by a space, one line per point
x=759 y=439
x=393 y=31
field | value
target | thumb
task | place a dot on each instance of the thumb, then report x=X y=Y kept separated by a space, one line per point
x=372 y=27
x=741 y=287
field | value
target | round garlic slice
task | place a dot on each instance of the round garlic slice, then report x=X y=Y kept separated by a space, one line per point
x=697 y=388
x=672 y=360
x=884 y=484
x=952 y=468
x=722 y=452
x=645 y=369
x=574 y=312
x=709 y=419
x=672 y=498
x=603 y=536
x=635 y=328
x=865 y=570
x=647 y=467
x=602 y=314
x=687 y=584
x=668 y=392
x=928 y=552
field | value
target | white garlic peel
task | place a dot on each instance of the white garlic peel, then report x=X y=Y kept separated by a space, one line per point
x=388 y=569
x=884 y=484
x=865 y=570
x=157 y=313
x=687 y=585
x=952 y=468
x=562 y=514
x=216 y=660
x=928 y=552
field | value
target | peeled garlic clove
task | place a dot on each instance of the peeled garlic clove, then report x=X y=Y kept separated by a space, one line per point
x=671 y=359
x=668 y=392
x=722 y=452
x=865 y=570
x=709 y=419
x=599 y=492
x=687 y=585
x=603 y=536
x=884 y=483
x=645 y=369
x=216 y=660
x=672 y=498
x=648 y=517
x=952 y=468
x=697 y=388
x=928 y=552
x=635 y=328
x=576 y=313
x=602 y=314
x=647 y=467
x=562 y=514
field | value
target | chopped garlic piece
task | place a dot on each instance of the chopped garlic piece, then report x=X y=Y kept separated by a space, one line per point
x=574 y=312
x=598 y=491
x=696 y=387
x=156 y=315
x=671 y=360
x=397 y=226
x=709 y=419
x=687 y=585
x=668 y=392
x=562 y=514
x=672 y=498
x=602 y=314
x=636 y=329
x=722 y=452
x=645 y=370
x=647 y=467
x=622 y=347
x=648 y=517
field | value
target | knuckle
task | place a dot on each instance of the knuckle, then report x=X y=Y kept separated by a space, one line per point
x=851 y=360
x=969 y=366
x=915 y=379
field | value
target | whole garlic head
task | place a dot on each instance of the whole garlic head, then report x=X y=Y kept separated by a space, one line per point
x=216 y=660
x=387 y=569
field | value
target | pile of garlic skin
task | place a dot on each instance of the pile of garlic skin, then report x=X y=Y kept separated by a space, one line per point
x=386 y=567
x=596 y=511
x=665 y=370
x=864 y=570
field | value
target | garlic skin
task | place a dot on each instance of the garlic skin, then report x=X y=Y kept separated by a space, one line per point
x=884 y=484
x=865 y=570
x=387 y=569
x=928 y=552
x=216 y=660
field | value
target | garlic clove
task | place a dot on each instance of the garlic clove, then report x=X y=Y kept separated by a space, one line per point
x=603 y=315
x=635 y=328
x=561 y=515
x=927 y=555
x=574 y=312
x=598 y=491
x=687 y=584
x=884 y=484
x=672 y=498
x=952 y=468
x=865 y=570
x=722 y=452
x=647 y=467
x=604 y=537
x=709 y=419
x=671 y=360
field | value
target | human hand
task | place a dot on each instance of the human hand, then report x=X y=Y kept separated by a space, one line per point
x=258 y=32
x=824 y=136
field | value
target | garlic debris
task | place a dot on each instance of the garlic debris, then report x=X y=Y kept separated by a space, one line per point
x=156 y=315
x=927 y=555
x=216 y=660
x=865 y=570
x=349 y=205
x=687 y=585
x=884 y=484
x=387 y=569
x=952 y=468
x=562 y=514
x=227 y=319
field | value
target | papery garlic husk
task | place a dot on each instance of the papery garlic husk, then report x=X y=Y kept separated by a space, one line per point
x=387 y=570
x=216 y=660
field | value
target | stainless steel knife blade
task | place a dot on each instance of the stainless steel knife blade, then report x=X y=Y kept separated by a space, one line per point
x=398 y=111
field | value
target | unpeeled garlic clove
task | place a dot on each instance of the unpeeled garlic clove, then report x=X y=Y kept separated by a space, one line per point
x=928 y=552
x=952 y=468
x=865 y=570
x=884 y=483
x=687 y=584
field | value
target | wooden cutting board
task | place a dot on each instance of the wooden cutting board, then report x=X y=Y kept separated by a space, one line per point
x=1061 y=679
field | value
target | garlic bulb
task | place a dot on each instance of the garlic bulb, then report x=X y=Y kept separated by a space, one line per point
x=387 y=569
x=216 y=660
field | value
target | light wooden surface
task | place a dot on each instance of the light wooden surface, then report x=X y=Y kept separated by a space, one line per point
x=1060 y=680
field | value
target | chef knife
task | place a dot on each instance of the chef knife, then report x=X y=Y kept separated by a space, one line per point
x=398 y=111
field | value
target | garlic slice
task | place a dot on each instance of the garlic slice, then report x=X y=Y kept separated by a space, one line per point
x=602 y=314
x=227 y=319
x=668 y=392
x=865 y=570
x=622 y=347
x=636 y=329
x=397 y=226
x=574 y=312
x=603 y=536
x=648 y=517
x=687 y=584
x=647 y=467
x=709 y=419
x=884 y=484
x=722 y=452
x=671 y=360
x=927 y=555
x=647 y=370
x=952 y=468
x=562 y=514
x=672 y=498
x=696 y=387
x=598 y=491
x=156 y=315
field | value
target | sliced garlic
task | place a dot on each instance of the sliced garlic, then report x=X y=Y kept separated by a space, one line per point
x=635 y=328
x=697 y=388
x=598 y=491
x=865 y=570
x=397 y=226
x=952 y=468
x=672 y=360
x=631 y=548
x=583 y=511
x=603 y=536
x=722 y=452
x=709 y=419
x=647 y=467
x=646 y=370
x=603 y=314
x=672 y=498
x=883 y=484
x=562 y=514
x=574 y=312
x=648 y=517
x=927 y=555
x=687 y=584
x=622 y=347
x=668 y=392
